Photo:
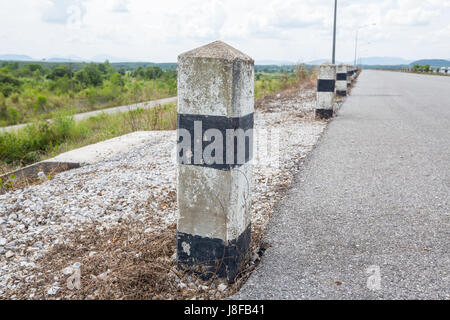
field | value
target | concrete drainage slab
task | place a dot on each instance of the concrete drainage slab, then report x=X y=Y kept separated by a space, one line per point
x=84 y=156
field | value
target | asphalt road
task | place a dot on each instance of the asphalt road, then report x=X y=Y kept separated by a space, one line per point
x=369 y=215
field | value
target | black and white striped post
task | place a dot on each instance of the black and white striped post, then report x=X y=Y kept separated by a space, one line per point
x=349 y=76
x=326 y=83
x=446 y=70
x=341 y=80
x=353 y=73
x=215 y=146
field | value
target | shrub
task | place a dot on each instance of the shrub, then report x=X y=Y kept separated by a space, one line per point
x=13 y=114
x=41 y=101
x=117 y=80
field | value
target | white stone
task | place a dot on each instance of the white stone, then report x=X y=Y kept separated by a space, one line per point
x=222 y=287
x=53 y=290
x=67 y=271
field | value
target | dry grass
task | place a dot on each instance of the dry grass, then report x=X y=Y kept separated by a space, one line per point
x=128 y=264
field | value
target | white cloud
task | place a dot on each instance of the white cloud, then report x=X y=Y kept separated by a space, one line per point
x=63 y=11
x=272 y=29
x=413 y=17
x=121 y=6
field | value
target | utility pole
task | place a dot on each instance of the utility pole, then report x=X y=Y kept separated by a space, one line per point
x=334 y=33
x=356 y=38
x=356 y=46
x=71 y=76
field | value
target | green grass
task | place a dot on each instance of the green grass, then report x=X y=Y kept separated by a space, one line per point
x=269 y=83
x=43 y=140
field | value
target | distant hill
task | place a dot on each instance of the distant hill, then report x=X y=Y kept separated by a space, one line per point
x=320 y=61
x=432 y=62
x=134 y=65
x=104 y=57
x=274 y=63
x=65 y=59
x=385 y=61
x=15 y=57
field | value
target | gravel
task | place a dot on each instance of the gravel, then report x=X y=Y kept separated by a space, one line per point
x=138 y=185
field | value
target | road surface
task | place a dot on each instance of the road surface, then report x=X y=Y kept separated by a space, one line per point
x=86 y=115
x=369 y=214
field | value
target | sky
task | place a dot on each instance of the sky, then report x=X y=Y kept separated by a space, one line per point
x=158 y=31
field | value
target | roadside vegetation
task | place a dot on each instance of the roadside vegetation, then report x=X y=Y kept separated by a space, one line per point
x=267 y=83
x=421 y=68
x=45 y=139
x=39 y=91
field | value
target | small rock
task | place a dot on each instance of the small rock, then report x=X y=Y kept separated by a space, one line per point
x=9 y=254
x=67 y=271
x=42 y=176
x=104 y=275
x=3 y=241
x=117 y=208
x=222 y=287
x=39 y=245
x=53 y=290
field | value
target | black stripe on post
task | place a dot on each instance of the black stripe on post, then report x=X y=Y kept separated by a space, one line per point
x=341 y=77
x=221 y=123
x=213 y=257
x=324 y=113
x=325 y=85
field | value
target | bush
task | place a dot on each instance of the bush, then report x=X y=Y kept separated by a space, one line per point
x=41 y=101
x=59 y=72
x=117 y=80
x=27 y=145
x=8 y=84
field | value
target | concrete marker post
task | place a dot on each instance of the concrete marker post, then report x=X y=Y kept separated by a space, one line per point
x=215 y=146
x=326 y=84
x=349 y=76
x=341 y=80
